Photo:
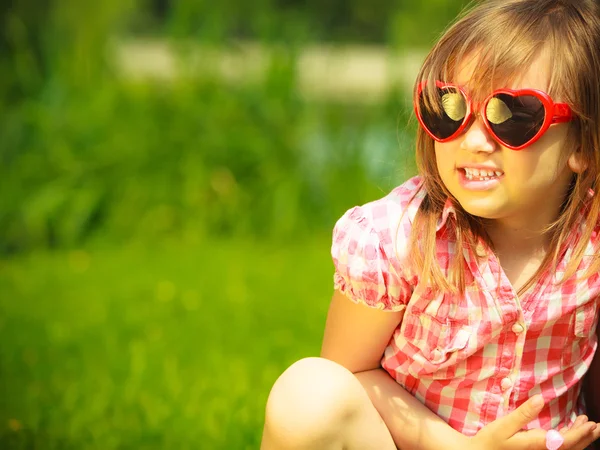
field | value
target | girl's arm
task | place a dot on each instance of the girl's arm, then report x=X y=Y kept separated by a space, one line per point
x=411 y=424
x=356 y=337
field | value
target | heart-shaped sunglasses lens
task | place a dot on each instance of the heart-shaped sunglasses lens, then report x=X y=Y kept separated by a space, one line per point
x=515 y=120
x=444 y=117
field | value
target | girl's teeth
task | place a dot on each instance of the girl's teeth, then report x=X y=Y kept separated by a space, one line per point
x=481 y=174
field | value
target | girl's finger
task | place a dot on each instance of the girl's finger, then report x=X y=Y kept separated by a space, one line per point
x=581 y=436
x=507 y=426
x=584 y=443
x=580 y=420
x=531 y=440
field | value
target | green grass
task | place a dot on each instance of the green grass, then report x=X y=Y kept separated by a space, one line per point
x=162 y=345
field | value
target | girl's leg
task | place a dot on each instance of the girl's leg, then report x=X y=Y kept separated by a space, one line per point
x=318 y=404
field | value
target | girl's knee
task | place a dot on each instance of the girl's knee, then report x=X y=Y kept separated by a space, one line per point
x=312 y=400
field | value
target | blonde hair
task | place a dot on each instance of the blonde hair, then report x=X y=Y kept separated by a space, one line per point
x=506 y=36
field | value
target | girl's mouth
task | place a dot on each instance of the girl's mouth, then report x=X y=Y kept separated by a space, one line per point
x=479 y=179
x=481 y=174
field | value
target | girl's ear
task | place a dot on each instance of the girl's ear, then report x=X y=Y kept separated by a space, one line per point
x=576 y=162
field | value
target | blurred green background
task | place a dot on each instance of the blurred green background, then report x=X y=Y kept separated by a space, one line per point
x=170 y=175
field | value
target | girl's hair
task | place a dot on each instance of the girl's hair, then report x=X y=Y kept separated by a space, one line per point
x=505 y=36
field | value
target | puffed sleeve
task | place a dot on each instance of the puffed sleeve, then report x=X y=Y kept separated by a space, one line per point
x=365 y=269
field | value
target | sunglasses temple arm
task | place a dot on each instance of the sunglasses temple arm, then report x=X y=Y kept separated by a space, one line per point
x=562 y=113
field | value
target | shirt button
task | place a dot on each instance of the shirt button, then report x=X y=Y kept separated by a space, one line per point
x=517 y=328
x=506 y=384
x=437 y=355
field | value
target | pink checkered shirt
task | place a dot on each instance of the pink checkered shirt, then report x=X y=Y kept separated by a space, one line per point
x=470 y=358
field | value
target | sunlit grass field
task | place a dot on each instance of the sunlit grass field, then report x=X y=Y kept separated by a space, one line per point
x=154 y=346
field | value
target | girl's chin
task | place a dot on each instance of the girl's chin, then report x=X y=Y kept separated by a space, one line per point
x=485 y=210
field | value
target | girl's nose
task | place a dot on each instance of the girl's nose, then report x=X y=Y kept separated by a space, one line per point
x=477 y=138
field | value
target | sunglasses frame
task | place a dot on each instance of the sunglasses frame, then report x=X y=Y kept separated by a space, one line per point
x=560 y=112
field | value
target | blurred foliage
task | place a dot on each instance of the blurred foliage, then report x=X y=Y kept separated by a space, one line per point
x=153 y=346
x=400 y=22
x=85 y=152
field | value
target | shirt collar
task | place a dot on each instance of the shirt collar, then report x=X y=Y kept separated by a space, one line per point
x=448 y=210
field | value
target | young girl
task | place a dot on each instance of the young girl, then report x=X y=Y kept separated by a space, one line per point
x=466 y=300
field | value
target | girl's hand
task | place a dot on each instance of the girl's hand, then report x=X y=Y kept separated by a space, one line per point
x=505 y=433
x=580 y=426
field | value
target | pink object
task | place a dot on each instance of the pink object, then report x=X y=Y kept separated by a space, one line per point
x=554 y=440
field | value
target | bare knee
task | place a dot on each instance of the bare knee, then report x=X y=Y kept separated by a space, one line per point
x=310 y=402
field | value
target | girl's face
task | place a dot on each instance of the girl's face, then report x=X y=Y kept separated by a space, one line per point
x=525 y=187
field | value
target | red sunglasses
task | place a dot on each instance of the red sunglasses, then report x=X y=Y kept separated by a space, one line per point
x=515 y=118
